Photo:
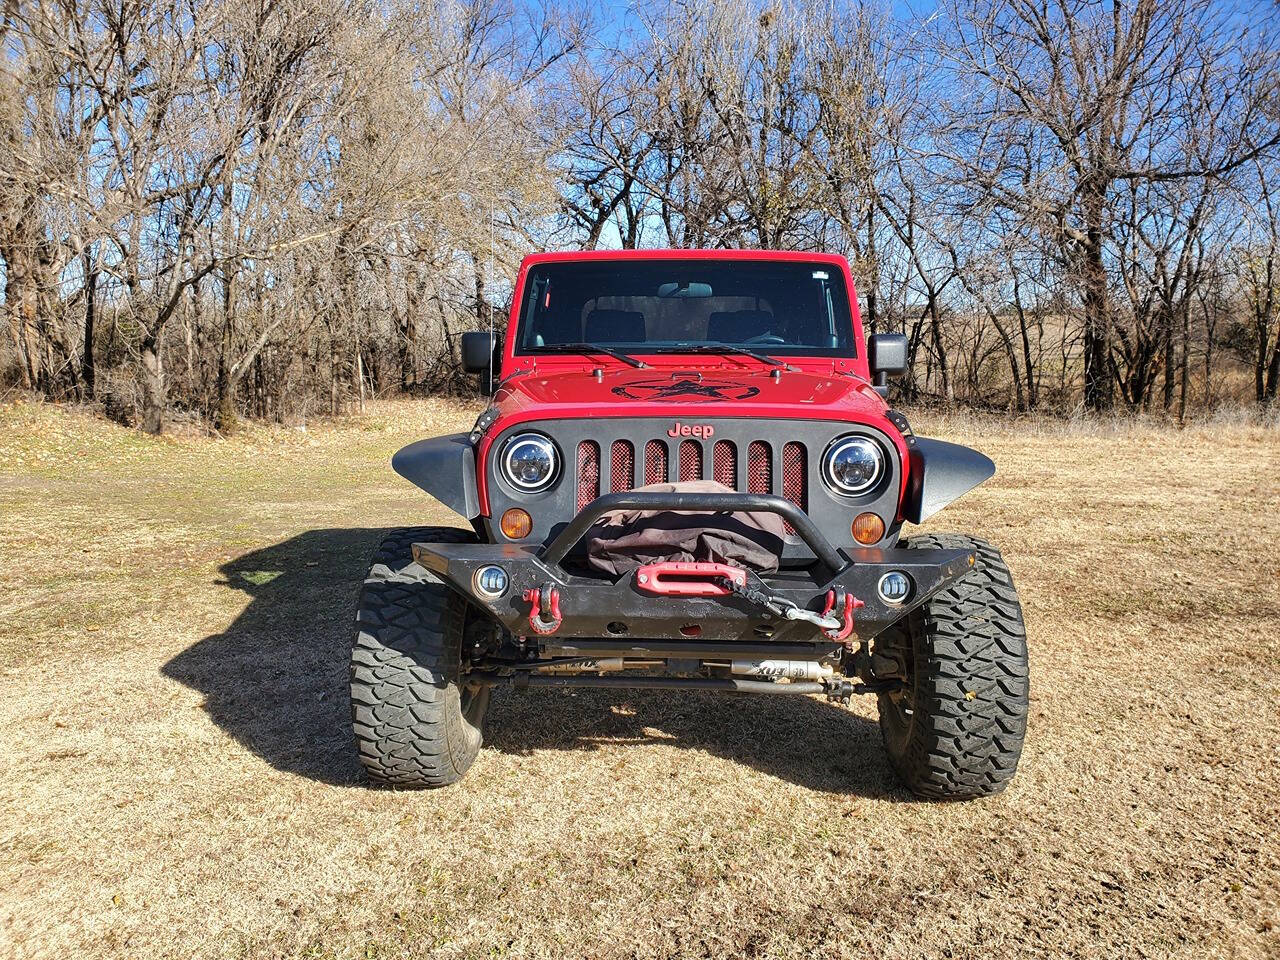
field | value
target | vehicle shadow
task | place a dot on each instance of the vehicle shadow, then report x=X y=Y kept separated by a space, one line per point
x=818 y=745
x=276 y=681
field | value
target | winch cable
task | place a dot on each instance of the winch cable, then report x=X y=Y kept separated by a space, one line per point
x=779 y=606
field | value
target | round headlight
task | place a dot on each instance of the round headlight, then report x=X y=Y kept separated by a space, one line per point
x=853 y=465
x=529 y=462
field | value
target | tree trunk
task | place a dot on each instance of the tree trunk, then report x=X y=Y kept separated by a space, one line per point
x=481 y=306
x=193 y=319
x=940 y=349
x=1261 y=344
x=13 y=284
x=1210 y=326
x=1272 y=385
x=873 y=317
x=910 y=386
x=23 y=320
x=1024 y=336
x=88 y=370
x=408 y=329
x=1098 y=393
x=1184 y=375
x=335 y=366
x=1028 y=367
x=1266 y=372
x=631 y=236
x=226 y=375
x=1012 y=356
x=360 y=373
x=408 y=351
x=224 y=417
x=154 y=398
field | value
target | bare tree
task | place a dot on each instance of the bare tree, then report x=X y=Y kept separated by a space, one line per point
x=221 y=207
x=1260 y=276
x=1067 y=102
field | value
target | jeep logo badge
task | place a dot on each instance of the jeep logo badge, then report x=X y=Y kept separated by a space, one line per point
x=703 y=430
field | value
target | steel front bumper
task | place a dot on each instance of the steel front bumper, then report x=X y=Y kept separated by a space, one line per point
x=625 y=610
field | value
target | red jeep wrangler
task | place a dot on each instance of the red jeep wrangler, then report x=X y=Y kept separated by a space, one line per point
x=688 y=478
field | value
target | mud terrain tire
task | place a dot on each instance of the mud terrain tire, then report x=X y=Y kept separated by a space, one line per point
x=955 y=731
x=415 y=726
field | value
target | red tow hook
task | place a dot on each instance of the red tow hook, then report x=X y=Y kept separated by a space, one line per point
x=850 y=603
x=536 y=597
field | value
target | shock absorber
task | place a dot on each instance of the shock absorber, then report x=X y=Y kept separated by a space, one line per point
x=782 y=669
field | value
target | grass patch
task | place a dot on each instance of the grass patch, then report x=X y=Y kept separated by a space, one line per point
x=179 y=778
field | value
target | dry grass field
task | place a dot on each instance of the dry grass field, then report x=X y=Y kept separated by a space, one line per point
x=178 y=778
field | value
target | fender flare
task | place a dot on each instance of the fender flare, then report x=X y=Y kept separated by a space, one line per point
x=445 y=467
x=940 y=473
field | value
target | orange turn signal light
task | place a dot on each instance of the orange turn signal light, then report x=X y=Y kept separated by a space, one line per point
x=867 y=528
x=516 y=524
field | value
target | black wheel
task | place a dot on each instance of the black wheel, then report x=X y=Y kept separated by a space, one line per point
x=955 y=729
x=415 y=724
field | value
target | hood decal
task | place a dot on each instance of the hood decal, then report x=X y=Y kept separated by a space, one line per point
x=685 y=390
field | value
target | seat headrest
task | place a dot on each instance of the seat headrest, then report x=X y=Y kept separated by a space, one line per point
x=552 y=328
x=738 y=326
x=622 y=326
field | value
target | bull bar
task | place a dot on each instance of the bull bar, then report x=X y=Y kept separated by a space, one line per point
x=599 y=617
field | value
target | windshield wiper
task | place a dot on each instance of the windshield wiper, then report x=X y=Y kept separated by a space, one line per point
x=593 y=348
x=715 y=347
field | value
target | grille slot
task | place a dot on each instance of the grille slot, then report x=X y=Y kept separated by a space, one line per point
x=624 y=466
x=724 y=465
x=690 y=460
x=794 y=475
x=759 y=467
x=655 y=462
x=588 y=472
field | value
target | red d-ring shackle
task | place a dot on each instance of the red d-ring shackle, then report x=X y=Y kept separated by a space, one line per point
x=850 y=603
x=535 y=597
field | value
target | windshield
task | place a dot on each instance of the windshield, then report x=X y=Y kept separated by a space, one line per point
x=657 y=306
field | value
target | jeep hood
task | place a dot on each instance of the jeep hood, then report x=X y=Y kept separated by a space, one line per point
x=694 y=390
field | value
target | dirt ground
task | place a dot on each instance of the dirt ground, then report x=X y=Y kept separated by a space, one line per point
x=178 y=778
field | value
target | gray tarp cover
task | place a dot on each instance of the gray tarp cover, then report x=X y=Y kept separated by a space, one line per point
x=621 y=541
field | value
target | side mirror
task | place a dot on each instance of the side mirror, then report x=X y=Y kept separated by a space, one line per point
x=887 y=357
x=477 y=352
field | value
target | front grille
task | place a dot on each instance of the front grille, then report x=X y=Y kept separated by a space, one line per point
x=690 y=458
